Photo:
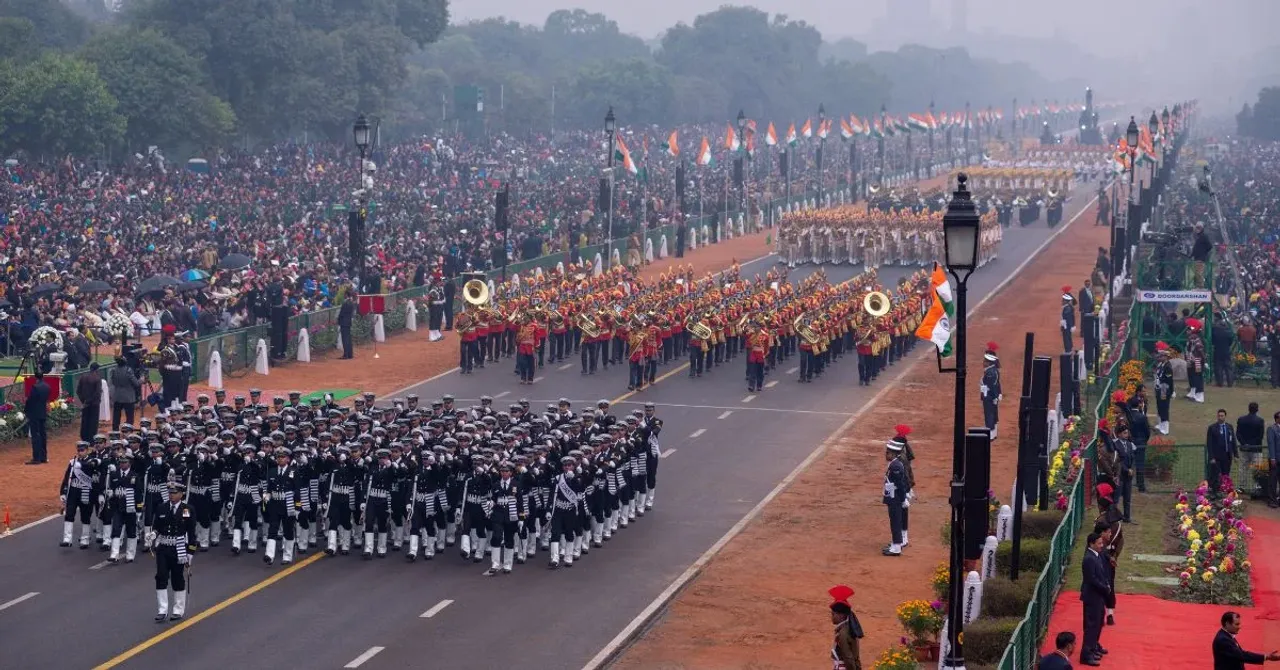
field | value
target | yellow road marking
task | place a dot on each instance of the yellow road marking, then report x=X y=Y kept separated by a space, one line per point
x=310 y=560
x=187 y=623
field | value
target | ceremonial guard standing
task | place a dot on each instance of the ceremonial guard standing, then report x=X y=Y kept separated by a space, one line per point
x=435 y=311
x=77 y=494
x=468 y=348
x=1195 y=360
x=635 y=356
x=1068 y=322
x=183 y=351
x=990 y=389
x=174 y=538
x=895 y=496
x=1164 y=386
x=170 y=370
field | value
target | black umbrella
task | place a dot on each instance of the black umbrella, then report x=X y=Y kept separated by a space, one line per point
x=235 y=262
x=96 y=286
x=193 y=285
x=156 y=284
x=45 y=288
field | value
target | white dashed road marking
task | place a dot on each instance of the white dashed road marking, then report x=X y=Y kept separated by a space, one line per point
x=435 y=609
x=359 y=660
x=697 y=432
x=725 y=415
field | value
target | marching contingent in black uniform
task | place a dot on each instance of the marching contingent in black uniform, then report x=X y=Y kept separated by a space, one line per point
x=283 y=477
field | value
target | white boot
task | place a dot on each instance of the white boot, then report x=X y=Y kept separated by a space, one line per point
x=344 y=541
x=495 y=563
x=236 y=535
x=331 y=542
x=413 y=547
x=567 y=557
x=451 y=532
x=382 y=545
x=631 y=509
x=994 y=431
x=359 y=538
x=86 y=530
x=555 y=554
x=130 y=549
x=465 y=549
x=300 y=540
x=905 y=541
x=67 y=527
x=429 y=545
x=270 y=554
x=287 y=556
x=895 y=549
x=251 y=539
x=115 y=550
x=162 y=604
x=215 y=533
x=482 y=544
x=508 y=555
x=623 y=519
x=597 y=533
x=531 y=546
x=648 y=503
x=397 y=537
x=439 y=541
x=179 y=605
x=368 y=545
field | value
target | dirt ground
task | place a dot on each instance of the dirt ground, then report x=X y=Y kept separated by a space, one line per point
x=761 y=603
x=28 y=493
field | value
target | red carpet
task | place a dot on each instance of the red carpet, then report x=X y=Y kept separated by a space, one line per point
x=1155 y=634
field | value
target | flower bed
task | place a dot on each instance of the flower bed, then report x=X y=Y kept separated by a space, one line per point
x=13 y=422
x=1213 y=535
x=1067 y=460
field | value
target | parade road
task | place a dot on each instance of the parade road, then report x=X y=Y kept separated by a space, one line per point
x=724 y=450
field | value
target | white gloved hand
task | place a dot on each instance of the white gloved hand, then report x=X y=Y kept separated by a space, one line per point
x=266 y=496
x=984 y=389
x=102 y=500
x=150 y=537
x=999 y=398
x=185 y=559
x=63 y=500
x=906 y=503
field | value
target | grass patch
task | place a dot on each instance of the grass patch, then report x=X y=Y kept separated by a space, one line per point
x=1189 y=420
x=1150 y=535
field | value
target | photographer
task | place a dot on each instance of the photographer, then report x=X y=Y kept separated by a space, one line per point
x=126 y=387
x=1200 y=250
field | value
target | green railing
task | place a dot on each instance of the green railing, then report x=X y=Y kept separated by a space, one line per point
x=1181 y=467
x=1024 y=644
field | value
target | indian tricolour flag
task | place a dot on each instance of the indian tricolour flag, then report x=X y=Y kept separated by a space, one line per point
x=704 y=152
x=731 y=141
x=771 y=136
x=671 y=146
x=936 y=327
x=858 y=126
x=807 y=130
x=917 y=122
x=791 y=134
x=846 y=132
x=623 y=155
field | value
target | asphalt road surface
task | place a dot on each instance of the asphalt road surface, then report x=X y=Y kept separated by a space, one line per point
x=723 y=451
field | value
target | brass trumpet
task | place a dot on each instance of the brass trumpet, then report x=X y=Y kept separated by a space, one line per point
x=876 y=304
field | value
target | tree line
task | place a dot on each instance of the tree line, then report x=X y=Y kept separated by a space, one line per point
x=186 y=74
x=1261 y=120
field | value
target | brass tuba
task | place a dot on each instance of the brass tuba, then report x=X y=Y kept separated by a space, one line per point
x=801 y=326
x=694 y=324
x=587 y=325
x=876 y=304
x=475 y=292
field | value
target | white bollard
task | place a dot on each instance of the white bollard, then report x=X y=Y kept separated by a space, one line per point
x=616 y=257
x=515 y=279
x=1004 y=524
x=215 y=370
x=560 y=267
x=379 y=330
x=662 y=247
x=411 y=317
x=104 y=404
x=742 y=225
x=493 y=289
x=693 y=238
x=648 y=250
x=706 y=235
x=943 y=643
x=597 y=268
x=262 y=366
x=537 y=272
x=972 y=596
x=1013 y=495
x=304 y=346
x=989 y=557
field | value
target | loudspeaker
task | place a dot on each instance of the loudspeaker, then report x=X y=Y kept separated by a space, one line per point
x=977 y=481
x=500 y=203
x=784 y=163
x=355 y=230
x=279 y=330
x=605 y=195
x=737 y=172
x=1119 y=249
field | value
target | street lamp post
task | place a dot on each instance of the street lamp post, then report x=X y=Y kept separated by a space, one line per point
x=610 y=128
x=960 y=233
x=822 y=141
x=1131 y=138
x=1153 y=125
x=360 y=132
x=742 y=139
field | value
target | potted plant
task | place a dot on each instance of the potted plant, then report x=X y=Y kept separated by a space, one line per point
x=1162 y=457
x=922 y=621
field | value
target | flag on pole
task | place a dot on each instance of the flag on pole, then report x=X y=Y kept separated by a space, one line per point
x=936 y=327
x=622 y=154
x=918 y=122
x=791 y=135
x=771 y=136
x=877 y=130
x=859 y=128
x=845 y=131
x=704 y=153
x=731 y=141
x=671 y=147
x=807 y=129
x=824 y=128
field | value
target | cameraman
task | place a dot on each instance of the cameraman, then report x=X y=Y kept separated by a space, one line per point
x=1200 y=250
x=126 y=387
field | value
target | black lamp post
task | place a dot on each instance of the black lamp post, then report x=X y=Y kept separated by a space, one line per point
x=1164 y=144
x=822 y=141
x=741 y=168
x=360 y=132
x=1153 y=125
x=960 y=233
x=610 y=131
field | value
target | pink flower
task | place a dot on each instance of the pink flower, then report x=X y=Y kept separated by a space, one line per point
x=1230 y=547
x=936 y=605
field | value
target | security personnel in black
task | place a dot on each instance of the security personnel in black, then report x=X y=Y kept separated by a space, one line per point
x=246 y=500
x=895 y=496
x=281 y=500
x=202 y=491
x=76 y=492
x=990 y=389
x=423 y=489
x=124 y=501
x=155 y=477
x=380 y=479
x=1068 y=322
x=174 y=540
x=345 y=314
x=507 y=519
x=344 y=478
x=1164 y=387
x=400 y=494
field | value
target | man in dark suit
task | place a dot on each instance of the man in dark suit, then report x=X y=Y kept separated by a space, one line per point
x=450 y=290
x=1227 y=652
x=1220 y=442
x=1251 y=433
x=37 y=411
x=345 y=315
x=1063 y=647
x=1094 y=590
x=89 y=392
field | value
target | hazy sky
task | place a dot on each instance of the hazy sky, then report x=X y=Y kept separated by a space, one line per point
x=1104 y=27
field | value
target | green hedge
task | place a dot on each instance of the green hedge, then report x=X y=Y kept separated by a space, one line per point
x=985 y=639
x=1035 y=555
x=1003 y=597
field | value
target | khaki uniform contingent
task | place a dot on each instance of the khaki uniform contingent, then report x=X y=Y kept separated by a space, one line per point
x=890 y=230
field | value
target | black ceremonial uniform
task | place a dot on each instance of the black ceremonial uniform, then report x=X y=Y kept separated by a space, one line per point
x=991 y=393
x=124 y=500
x=474 y=517
x=381 y=480
x=77 y=492
x=895 y=498
x=1164 y=392
x=175 y=538
x=506 y=522
x=344 y=480
x=281 y=504
x=1067 y=324
x=424 y=489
